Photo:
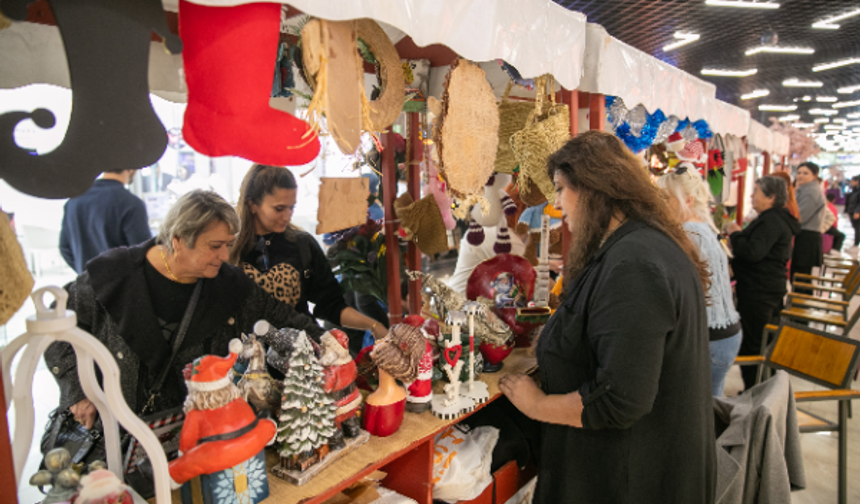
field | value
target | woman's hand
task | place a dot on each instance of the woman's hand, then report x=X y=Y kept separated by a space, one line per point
x=85 y=413
x=378 y=331
x=523 y=392
x=733 y=228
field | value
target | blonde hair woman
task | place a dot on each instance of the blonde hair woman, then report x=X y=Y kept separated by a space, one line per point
x=688 y=197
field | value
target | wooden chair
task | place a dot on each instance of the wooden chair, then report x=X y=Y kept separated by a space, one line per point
x=827 y=360
x=758 y=360
x=843 y=287
x=811 y=311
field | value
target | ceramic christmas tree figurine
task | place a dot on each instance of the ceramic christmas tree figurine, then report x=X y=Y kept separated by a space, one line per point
x=340 y=374
x=476 y=390
x=397 y=356
x=222 y=439
x=452 y=404
x=307 y=419
x=103 y=487
x=257 y=385
x=59 y=475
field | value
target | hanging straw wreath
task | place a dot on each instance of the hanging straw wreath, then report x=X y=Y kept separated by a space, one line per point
x=383 y=111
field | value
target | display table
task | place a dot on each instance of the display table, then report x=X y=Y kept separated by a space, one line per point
x=406 y=456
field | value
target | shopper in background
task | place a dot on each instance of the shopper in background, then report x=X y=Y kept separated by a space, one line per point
x=808 y=248
x=688 y=198
x=832 y=229
x=134 y=299
x=285 y=260
x=761 y=253
x=852 y=208
x=625 y=395
x=105 y=217
x=791 y=202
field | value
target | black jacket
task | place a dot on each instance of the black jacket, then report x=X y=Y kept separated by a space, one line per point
x=105 y=217
x=632 y=338
x=762 y=250
x=852 y=202
x=113 y=302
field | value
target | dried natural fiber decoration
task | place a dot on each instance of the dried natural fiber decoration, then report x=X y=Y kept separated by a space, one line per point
x=17 y=281
x=512 y=118
x=383 y=111
x=468 y=129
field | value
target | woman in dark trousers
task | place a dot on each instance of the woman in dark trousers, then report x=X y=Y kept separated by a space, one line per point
x=808 y=246
x=761 y=254
x=624 y=400
x=852 y=208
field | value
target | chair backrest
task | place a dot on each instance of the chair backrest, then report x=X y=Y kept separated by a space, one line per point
x=58 y=324
x=851 y=281
x=817 y=356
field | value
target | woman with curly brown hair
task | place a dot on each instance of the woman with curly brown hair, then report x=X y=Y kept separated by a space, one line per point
x=624 y=399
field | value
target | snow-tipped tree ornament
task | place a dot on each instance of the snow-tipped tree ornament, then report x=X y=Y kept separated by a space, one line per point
x=307 y=419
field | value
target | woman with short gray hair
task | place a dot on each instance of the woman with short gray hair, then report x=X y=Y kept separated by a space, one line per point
x=761 y=253
x=135 y=301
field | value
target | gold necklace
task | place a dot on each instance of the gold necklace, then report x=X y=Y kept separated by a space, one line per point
x=169 y=272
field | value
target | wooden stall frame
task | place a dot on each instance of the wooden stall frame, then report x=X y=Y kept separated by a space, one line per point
x=392 y=225
x=416 y=156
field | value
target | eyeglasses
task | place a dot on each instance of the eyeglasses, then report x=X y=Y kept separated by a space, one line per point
x=262 y=261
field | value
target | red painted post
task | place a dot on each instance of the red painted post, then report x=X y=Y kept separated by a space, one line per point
x=766 y=169
x=392 y=224
x=739 y=218
x=7 y=468
x=413 y=255
x=597 y=112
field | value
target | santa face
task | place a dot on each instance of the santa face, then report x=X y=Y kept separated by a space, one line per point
x=333 y=352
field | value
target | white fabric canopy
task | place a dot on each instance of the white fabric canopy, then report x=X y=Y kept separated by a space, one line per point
x=781 y=144
x=726 y=118
x=615 y=68
x=535 y=36
x=759 y=137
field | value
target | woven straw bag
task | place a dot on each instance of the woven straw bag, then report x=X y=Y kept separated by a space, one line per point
x=423 y=220
x=546 y=131
x=512 y=118
x=17 y=282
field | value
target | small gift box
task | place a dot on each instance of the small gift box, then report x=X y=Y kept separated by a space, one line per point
x=245 y=483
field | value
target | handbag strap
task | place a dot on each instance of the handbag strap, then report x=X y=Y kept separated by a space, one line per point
x=177 y=342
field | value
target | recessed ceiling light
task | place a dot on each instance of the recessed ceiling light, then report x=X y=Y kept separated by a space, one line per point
x=853 y=115
x=848 y=89
x=758 y=93
x=846 y=104
x=787 y=118
x=827 y=24
x=840 y=120
x=824 y=112
x=807 y=98
x=795 y=82
x=778 y=108
x=826 y=99
x=742 y=4
x=729 y=73
x=803 y=125
x=683 y=39
x=821 y=120
x=779 y=50
x=835 y=64
x=834 y=127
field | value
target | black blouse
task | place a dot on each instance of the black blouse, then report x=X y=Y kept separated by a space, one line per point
x=294 y=279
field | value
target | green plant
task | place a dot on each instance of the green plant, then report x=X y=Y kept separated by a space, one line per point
x=358 y=257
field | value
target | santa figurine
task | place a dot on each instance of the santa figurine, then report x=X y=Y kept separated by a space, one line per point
x=340 y=374
x=420 y=392
x=220 y=430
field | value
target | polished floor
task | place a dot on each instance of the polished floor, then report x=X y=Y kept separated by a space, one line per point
x=819 y=450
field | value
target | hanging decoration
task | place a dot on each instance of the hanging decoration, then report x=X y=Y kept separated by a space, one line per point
x=639 y=130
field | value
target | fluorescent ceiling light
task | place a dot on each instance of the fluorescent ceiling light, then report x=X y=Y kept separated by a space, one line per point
x=835 y=64
x=834 y=127
x=851 y=123
x=848 y=89
x=758 y=93
x=824 y=112
x=821 y=120
x=742 y=4
x=827 y=24
x=826 y=99
x=729 y=73
x=840 y=120
x=789 y=117
x=803 y=125
x=779 y=50
x=683 y=39
x=795 y=82
x=846 y=104
x=778 y=108
x=853 y=115
x=807 y=98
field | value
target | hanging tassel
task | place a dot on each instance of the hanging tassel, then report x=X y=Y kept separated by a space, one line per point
x=476 y=233
x=508 y=205
x=503 y=241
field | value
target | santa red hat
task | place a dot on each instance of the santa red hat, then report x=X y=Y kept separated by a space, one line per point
x=210 y=372
x=341 y=337
x=675 y=142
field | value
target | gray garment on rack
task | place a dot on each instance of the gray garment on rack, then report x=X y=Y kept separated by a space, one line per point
x=759 y=457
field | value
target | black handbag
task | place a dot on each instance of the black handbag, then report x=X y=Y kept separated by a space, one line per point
x=63 y=431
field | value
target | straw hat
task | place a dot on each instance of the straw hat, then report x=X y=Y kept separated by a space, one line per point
x=467 y=135
x=383 y=111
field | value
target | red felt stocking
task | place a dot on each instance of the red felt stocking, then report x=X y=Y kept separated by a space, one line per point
x=229 y=56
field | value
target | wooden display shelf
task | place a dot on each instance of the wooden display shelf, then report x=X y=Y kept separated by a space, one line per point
x=406 y=456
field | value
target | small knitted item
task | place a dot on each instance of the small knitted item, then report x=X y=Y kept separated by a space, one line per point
x=508 y=205
x=503 y=241
x=476 y=233
x=399 y=353
x=17 y=281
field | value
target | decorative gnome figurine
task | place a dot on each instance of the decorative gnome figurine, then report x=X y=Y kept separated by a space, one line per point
x=103 y=487
x=420 y=392
x=307 y=420
x=499 y=202
x=340 y=374
x=222 y=440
